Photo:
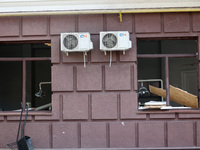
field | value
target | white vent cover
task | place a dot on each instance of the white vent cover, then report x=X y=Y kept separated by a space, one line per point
x=76 y=42
x=70 y=42
x=115 y=41
x=109 y=40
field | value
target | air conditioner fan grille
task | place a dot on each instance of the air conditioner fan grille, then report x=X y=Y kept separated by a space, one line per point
x=70 y=42
x=109 y=40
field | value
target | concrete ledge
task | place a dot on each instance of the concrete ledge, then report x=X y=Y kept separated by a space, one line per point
x=155 y=148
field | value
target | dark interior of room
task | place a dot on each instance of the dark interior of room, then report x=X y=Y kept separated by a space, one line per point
x=11 y=76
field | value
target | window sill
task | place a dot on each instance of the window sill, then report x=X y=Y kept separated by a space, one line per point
x=167 y=111
x=30 y=113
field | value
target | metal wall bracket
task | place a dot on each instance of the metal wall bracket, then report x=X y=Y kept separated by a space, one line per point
x=120 y=17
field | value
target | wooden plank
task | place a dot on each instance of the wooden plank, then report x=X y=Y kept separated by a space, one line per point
x=177 y=95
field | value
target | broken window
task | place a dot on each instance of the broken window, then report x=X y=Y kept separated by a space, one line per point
x=25 y=76
x=167 y=74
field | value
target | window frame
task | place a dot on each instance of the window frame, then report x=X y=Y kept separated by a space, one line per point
x=24 y=61
x=166 y=61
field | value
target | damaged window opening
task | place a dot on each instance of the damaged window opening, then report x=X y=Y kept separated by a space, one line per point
x=25 y=76
x=167 y=74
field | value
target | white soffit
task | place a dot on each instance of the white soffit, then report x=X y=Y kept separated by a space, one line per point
x=28 y=7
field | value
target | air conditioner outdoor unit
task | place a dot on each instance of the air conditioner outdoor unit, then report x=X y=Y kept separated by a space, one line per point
x=76 y=42
x=115 y=41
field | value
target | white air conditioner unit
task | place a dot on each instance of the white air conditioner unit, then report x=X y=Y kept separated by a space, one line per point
x=115 y=41
x=76 y=42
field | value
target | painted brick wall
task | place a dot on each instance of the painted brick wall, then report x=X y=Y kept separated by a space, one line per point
x=96 y=106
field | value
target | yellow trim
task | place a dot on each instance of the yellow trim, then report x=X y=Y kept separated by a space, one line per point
x=120 y=12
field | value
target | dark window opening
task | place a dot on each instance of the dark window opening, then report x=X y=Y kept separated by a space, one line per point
x=23 y=68
x=167 y=74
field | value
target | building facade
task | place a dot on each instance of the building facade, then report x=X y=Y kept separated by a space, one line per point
x=97 y=106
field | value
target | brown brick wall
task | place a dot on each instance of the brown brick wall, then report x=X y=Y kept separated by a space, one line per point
x=96 y=106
